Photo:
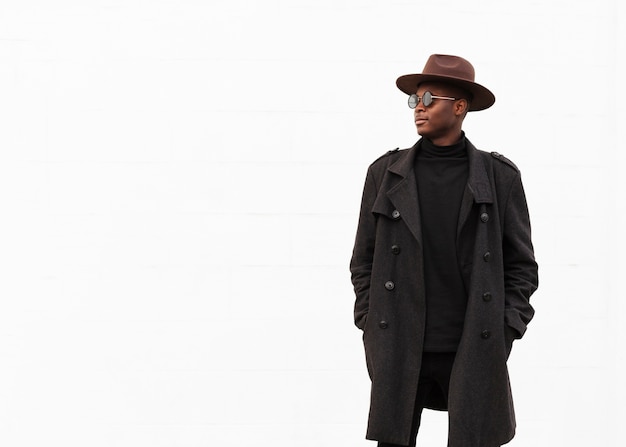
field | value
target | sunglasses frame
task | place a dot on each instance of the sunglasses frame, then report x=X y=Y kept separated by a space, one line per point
x=426 y=99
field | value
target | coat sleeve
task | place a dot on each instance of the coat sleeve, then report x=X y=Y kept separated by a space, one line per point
x=363 y=252
x=520 y=269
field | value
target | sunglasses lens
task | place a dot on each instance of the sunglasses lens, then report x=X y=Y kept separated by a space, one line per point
x=427 y=99
x=413 y=101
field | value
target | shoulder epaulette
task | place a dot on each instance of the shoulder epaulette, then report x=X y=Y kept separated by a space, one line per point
x=392 y=151
x=503 y=159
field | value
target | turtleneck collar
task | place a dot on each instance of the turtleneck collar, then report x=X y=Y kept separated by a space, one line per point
x=430 y=150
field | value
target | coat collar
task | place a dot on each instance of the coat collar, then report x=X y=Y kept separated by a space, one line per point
x=403 y=193
x=477 y=182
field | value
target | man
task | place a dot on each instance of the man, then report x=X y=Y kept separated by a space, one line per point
x=443 y=269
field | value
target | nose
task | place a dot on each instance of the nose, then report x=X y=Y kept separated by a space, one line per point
x=420 y=105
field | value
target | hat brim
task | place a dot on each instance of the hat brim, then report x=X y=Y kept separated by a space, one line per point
x=482 y=98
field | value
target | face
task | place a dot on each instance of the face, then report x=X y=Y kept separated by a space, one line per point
x=441 y=121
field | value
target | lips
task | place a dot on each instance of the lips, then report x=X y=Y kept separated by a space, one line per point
x=420 y=120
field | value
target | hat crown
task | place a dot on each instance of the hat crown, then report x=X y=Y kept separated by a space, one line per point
x=449 y=66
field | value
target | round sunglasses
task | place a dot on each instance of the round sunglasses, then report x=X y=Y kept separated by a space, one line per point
x=426 y=98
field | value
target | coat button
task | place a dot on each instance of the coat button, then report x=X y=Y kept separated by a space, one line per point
x=486 y=256
x=389 y=285
x=395 y=214
x=485 y=335
x=395 y=249
x=383 y=325
x=484 y=217
x=487 y=296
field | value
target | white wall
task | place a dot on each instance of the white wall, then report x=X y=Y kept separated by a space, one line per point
x=179 y=186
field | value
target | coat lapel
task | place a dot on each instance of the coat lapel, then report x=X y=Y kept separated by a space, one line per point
x=403 y=194
x=478 y=189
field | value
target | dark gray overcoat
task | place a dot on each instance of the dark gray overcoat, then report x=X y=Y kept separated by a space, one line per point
x=495 y=256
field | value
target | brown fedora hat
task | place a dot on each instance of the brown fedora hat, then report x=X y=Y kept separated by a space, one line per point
x=451 y=70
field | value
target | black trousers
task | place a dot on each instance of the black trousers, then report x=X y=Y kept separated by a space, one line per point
x=434 y=379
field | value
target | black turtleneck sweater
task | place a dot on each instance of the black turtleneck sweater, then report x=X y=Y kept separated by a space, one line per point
x=441 y=173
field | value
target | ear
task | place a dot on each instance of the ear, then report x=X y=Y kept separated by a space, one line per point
x=460 y=107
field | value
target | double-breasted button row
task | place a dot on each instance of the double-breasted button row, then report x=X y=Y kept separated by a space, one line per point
x=487 y=296
x=486 y=256
x=485 y=334
x=389 y=285
x=395 y=249
x=383 y=324
x=484 y=217
x=395 y=214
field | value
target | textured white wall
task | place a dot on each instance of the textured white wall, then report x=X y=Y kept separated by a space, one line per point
x=179 y=186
